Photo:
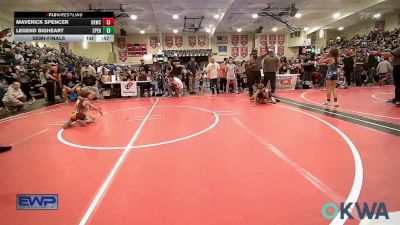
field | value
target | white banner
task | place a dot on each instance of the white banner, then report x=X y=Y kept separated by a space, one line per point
x=128 y=88
x=286 y=81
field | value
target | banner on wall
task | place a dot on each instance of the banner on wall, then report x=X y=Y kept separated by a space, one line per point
x=380 y=25
x=271 y=48
x=281 y=50
x=244 y=51
x=201 y=40
x=235 y=39
x=264 y=40
x=169 y=41
x=272 y=39
x=135 y=50
x=129 y=88
x=244 y=40
x=178 y=41
x=281 y=39
x=192 y=41
x=153 y=42
x=121 y=42
x=263 y=50
x=235 y=52
x=122 y=55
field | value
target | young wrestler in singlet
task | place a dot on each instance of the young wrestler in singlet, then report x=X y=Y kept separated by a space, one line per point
x=81 y=111
x=263 y=96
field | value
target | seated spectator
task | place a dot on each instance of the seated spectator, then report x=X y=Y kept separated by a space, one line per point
x=342 y=83
x=175 y=85
x=383 y=70
x=70 y=87
x=19 y=59
x=25 y=82
x=14 y=99
x=89 y=82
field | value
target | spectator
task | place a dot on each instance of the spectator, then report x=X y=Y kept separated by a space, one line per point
x=14 y=99
x=371 y=65
x=143 y=65
x=70 y=87
x=230 y=70
x=396 y=74
x=25 y=82
x=193 y=68
x=212 y=72
x=222 y=76
x=143 y=76
x=90 y=83
x=176 y=67
x=348 y=62
x=88 y=68
x=49 y=85
x=383 y=70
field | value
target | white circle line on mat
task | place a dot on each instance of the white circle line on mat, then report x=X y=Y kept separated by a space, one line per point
x=216 y=121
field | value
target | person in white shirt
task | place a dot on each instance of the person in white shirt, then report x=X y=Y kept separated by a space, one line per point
x=383 y=70
x=230 y=69
x=213 y=71
x=14 y=99
x=174 y=85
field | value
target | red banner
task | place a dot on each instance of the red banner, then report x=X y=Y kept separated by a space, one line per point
x=135 y=50
x=244 y=40
x=201 y=40
x=192 y=41
x=153 y=42
x=235 y=52
x=380 y=25
x=169 y=41
x=271 y=48
x=281 y=39
x=263 y=50
x=281 y=50
x=122 y=55
x=121 y=42
x=244 y=51
x=178 y=41
x=272 y=39
x=235 y=40
x=264 y=40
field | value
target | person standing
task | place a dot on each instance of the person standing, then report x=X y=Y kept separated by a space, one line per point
x=396 y=74
x=177 y=67
x=230 y=70
x=193 y=68
x=222 y=77
x=212 y=72
x=270 y=67
x=348 y=68
x=253 y=71
x=332 y=60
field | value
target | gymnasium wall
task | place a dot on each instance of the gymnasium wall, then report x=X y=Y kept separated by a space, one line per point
x=391 y=22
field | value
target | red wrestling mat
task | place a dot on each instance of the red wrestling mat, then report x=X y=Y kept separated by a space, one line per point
x=201 y=160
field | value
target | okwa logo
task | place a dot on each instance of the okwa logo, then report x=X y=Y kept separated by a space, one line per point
x=378 y=209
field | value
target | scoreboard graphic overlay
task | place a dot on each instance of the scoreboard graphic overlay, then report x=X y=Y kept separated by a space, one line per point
x=64 y=26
